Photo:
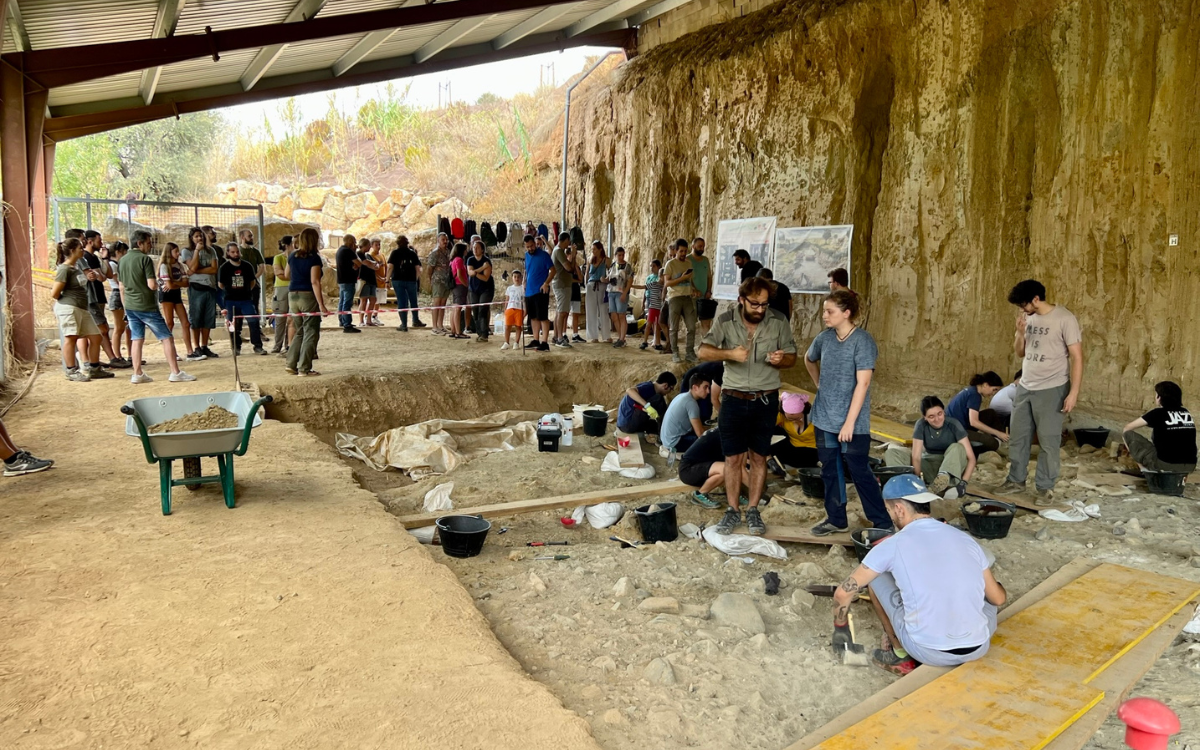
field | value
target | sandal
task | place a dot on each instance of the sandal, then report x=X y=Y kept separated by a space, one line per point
x=308 y=374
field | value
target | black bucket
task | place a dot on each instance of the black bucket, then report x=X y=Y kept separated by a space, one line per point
x=884 y=473
x=462 y=536
x=658 y=526
x=595 y=423
x=865 y=539
x=1096 y=437
x=811 y=483
x=991 y=521
x=1165 y=482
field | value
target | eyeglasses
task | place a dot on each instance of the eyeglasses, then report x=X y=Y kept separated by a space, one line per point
x=757 y=305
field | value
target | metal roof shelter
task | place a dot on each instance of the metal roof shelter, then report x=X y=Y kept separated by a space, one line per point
x=72 y=68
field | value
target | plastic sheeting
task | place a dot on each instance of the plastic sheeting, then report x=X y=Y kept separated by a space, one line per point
x=439 y=445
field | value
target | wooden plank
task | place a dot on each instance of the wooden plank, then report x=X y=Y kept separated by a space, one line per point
x=1020 y=502
x=617 y=495
x=1119 y=679
x=1113 y=479
x=885 y=430
x=926 y=674
x=803 y=536
x=630 y=456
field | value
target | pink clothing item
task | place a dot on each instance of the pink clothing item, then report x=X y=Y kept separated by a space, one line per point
x=793 y=403
x=458 y=267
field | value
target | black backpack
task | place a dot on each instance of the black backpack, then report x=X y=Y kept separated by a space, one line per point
x=444 y=226
x=486 y=233
x=501 y=231
x=469 y=230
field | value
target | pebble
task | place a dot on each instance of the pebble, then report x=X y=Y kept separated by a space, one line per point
x=624 y=587
x=1042 y=534
x=659 y=672
x=605 y=664
x=836 y=552
x=1118 y=531
x=802 y=598
x=537 y=583
x=591 y=692
x=698 y=611
x=758 y=642
x=614 y=717
x=811 y=572
x=737 y=610
x=515 y=556
x=1087 y=449
x=661 y=604
x=1133 y=526
x=1195 y=561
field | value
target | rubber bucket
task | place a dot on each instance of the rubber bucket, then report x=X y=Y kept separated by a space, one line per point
x=865 y=539
x=1093 y=436
x=811 y=483
x=991 y=521
x=1165 y=482
x=658 y=526
x=884 y=473
x=595 y=423
x=462 y=536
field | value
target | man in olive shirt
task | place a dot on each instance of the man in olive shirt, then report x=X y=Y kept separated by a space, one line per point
x=755 y=343
x=702 y=282
x=251 y=255
x=677 y=278
x=138 y=278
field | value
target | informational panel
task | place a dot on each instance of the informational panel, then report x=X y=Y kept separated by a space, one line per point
x=755 y=236
x=804 y=256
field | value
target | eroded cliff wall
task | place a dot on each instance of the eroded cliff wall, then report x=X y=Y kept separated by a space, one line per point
x=972 y=144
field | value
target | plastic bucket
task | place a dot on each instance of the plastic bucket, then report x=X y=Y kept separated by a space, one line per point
x=660 y=525
x=865 y=539
x=1093 y=436
x=811 y=483
x=991 y=521
x=462 y=536
x=1165 y=482
x=595 y=423
x=884 y=473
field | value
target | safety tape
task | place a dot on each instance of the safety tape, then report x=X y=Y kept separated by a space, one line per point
x=359 y=312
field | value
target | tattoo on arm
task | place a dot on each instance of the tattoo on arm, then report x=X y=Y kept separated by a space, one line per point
x=850 y=586
x=841 y=615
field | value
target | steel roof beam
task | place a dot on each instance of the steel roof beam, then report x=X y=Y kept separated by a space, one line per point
x=65 y=127
x=654 y=11
x=52 y=68
x=165 y=22
x=532 y=25
x=449 y=37
x=19 y=33
x=366 y=45
x=266 y=57
x=617 y=10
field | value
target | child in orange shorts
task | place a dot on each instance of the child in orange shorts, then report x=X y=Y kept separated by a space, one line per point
x=514 y=310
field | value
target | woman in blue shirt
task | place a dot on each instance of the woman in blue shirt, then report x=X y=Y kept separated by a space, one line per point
x=966 y=405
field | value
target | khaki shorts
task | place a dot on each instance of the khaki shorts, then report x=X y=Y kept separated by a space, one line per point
x=75 y=321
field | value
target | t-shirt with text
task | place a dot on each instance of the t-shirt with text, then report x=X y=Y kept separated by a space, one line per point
x=237 y=279
x=1047 y=364
x=1174 y=434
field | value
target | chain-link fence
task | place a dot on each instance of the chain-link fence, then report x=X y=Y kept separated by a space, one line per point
x=168 y=222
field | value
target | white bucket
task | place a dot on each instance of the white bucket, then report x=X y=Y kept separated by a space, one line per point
x=568 y=427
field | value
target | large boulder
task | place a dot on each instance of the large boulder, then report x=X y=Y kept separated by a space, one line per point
x=360 y=205
x=275 y=193
x=364 y=226
x=414 y=214
x=400 y=197
x=285 y=207
x=312 y=199
x=395 y=225
x=334 y=207
x=306 y=216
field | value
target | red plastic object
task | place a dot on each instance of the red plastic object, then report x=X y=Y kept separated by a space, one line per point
x=457 y=228
x=1149 y=724
x=568 y=522
x=623 y=442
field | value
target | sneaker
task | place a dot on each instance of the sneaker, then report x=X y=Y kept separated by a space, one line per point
x=260 y=351
x=658 y=347
x=119 y=363
x=754 y=522
x=957 y=491
x=644 y=346
x=940 y=483
x=505 y=347
x=562 y=343
x=1044 y=498
x=775 y=466
x=675 y=358
x=402 y=329
x=826 y=527
x=138 y=379
x=619 y=344
x=419 y=324
x=543 y=347
x=1009 y=488
x=183 y=377
x=577 y=339
x=75 y=375
x=892 y=663
x=730 y=521
x=206 y=352
x=704 y=501
x=196 y=356
x=96 y=373
x=23 y=463
x=351 y=329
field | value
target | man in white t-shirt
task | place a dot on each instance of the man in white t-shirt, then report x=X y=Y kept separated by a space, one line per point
x=931 y=585
x=1049 y=340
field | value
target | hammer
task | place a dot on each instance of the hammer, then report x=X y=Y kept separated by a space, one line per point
x=854 y=655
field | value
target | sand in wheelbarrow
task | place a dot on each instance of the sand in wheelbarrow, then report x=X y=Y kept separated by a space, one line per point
x=212 y=418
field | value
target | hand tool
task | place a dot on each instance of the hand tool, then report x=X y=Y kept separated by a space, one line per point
x=545 y=544
x=555 y=557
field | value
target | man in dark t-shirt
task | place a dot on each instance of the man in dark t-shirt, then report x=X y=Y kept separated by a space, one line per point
x=781 y=300
x=749 y=267
x=1173 y=445
x=404 y=267
x=347 y=264
x=97 y=271
x=239 y=280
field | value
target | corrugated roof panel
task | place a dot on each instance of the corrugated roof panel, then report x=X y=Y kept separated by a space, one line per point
x=496 y=27
x=202 y=71
x=114 y=87
x=231 y=14
x=64 y=23
x=408 y=40
x=344 y=7
x=577 y=14
x=312 y=55
x=8 y=45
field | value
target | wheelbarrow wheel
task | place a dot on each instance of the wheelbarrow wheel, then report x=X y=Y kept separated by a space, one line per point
x=191 y=468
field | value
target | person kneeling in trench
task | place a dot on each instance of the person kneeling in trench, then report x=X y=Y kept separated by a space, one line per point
x=941 y=451
x=931 y=586
x=703 y=466
x=1172 y=448
x=642 y=407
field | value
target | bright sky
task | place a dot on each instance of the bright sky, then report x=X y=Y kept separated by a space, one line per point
x=504 y=79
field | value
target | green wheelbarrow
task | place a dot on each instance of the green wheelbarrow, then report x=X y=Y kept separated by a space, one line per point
x=164 y=447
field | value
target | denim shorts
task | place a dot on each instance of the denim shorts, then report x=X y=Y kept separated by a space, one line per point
x=615 y=303
x=140 y=321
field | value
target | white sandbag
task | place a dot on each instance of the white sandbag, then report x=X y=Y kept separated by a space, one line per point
x=438 y=499
x=424 y=534
x=613 y=463
x=600 y=516
x=743 y=544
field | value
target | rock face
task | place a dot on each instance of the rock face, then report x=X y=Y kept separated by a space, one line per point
x=972 y=145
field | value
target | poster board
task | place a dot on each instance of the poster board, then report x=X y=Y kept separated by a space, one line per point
x=755 y=236
x=804 y=256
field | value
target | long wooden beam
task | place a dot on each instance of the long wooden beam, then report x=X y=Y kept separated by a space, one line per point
x=883 y=429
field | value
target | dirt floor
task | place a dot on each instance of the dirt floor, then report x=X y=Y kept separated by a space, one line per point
x=290 y=621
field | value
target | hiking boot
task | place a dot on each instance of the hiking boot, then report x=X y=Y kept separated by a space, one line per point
x=704 y=501
x=260 y=351
x=23 y=463
x=754 y=522
x=96 y=373
x=730 y=521
x=119 y=363
x=940 y=483
x=1010 y=488
x=1044 y=498
x=957 y=491
x=891 y=662
x=75 y=375
x=827 y=527
x=419 y=324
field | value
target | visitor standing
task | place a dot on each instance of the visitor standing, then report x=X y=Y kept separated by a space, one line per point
x=138 y=274
x=382 y=280
x=97 y=272
x=305 y=298
x=653 y=305
x=440 y=281
x=781 y=296
x=75 y=322
x=841 y=362
x=347 y=264
x=514 y=310
x=172 y=280
x=251 y=255
x=404 y=265
x=577 y=279
x=564 y=276
x=481 y=289
x=620 y=281
x=702 y=282
x=458 y=272
x=120 y=330
x=749 y=267
x=284 y=330
x=681 y=297
x=202 y=264
x=366 y=282
x=1049 y=339
x=538 y=269
x=238 y=279
x=595 y=301
x=839 y=280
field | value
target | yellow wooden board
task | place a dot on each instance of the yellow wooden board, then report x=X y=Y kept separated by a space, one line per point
x=883 y=429
x=992 y=705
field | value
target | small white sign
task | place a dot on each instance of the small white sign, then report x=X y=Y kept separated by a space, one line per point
x=1173 y=240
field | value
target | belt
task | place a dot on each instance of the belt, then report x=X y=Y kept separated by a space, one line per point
x=748 y=395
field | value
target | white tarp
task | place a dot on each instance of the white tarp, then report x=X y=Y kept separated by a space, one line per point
x=439 y=445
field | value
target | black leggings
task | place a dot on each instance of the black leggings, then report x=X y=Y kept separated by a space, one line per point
x=790 y=455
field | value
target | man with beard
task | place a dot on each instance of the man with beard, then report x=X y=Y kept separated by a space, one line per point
x=749 y=267
x=755 y=343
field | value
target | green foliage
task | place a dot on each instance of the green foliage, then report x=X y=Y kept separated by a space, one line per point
x=488 y=98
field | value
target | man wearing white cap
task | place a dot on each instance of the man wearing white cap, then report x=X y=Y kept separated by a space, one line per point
x=931 y=585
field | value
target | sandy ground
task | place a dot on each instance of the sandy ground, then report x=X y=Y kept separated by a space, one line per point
x=243 y=666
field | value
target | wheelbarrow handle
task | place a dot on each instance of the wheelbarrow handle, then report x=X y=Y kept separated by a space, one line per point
x=241 y=451
x=131 y=412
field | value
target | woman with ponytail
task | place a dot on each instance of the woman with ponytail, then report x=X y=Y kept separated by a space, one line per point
x=71 y=309
x=967 y=404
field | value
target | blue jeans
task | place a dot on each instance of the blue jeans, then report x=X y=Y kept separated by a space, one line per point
x=345 y=304
x=140 y=321
x=406 y=296
x=838 y=458
x=244 y=308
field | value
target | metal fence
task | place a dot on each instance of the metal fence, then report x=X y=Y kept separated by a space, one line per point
x=168 y=222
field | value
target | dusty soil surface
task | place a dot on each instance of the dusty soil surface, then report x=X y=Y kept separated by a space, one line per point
x=212 y=418
x=296 y=614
